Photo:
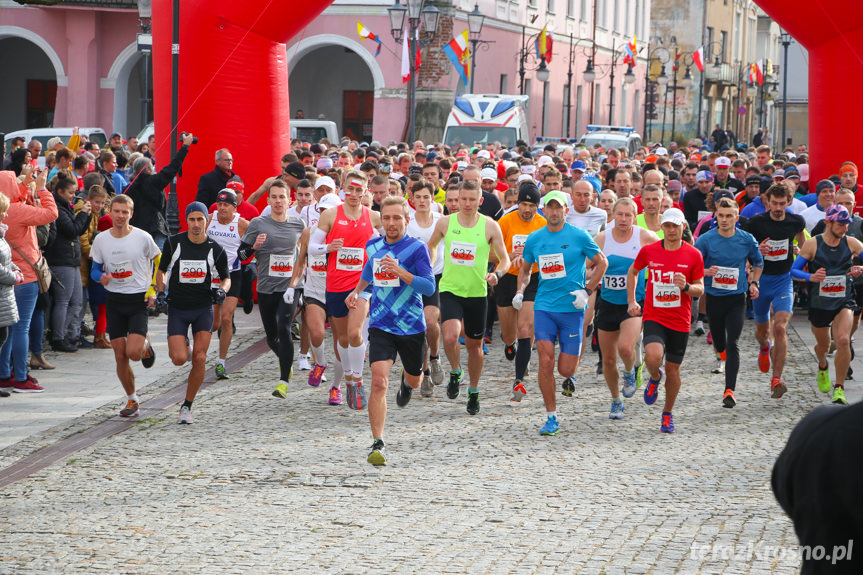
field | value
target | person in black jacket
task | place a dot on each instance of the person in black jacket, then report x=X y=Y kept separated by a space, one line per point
x=211 y=183
x=64 y=258
x=147 y=190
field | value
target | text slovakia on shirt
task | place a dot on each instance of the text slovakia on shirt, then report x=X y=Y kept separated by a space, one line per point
x=191 y=268
x=397 y=307
x=665 y=303
x=127 y=260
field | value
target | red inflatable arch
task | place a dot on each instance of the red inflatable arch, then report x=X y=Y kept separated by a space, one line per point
x=832 y=33
x=233 y=83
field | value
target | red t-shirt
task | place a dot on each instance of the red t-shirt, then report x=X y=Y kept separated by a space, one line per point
x=664 y=302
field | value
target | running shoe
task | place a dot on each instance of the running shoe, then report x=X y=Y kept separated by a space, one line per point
x=616 y=409
x=376 y=457
x=699 y=327
x=131 y=409
x=518 y=391
x=839 y=396
x=667 y=423
x=651 y=391
x=824 y=383
x=352 y=394
x=718 y=366
x=221 y=372
x=567 y=388
x=509 y=352
x=403 y=395
x=551 y=426
x=335 y=396
x=295 y=331
x=777 y=388
x=29 y=385
x=484 y=348
x=4 y=393
x=472 y=402
x=629 y=386
x=639 y=376
x=281 y=391
x=599 y=367
x=7 y=382
x=359 y=396
x=186 y=416
x=461 y=340
x=436 y=371
x=709 y=337
x=455 y=378
x=426 y=387
x=303 y=362
x=728 y=399
x=316 y=375
x=151 y=355
x=764 y=358
x=248 y=306
x=487 y=337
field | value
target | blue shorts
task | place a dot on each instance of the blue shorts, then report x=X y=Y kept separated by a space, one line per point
x=567 y=325
x=776 y=290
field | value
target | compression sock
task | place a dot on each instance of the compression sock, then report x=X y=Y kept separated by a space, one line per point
x=522 y=357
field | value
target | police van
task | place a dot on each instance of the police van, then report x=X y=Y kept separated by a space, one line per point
x=487 y=118
x=611 y=137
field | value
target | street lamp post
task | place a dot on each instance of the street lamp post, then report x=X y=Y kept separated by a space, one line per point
x=662 y=80
x=786 y=41
x=475 y=21
x=590 y=76
x=542 y=71
x=420 y=16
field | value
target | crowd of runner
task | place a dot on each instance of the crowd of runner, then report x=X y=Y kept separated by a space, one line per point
x=403 y=250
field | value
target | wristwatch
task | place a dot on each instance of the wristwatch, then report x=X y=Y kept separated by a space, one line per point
x=685 y=288
x=756 y=284
x=589 y=291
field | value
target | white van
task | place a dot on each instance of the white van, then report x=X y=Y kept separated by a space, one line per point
x=313 y=131
x=44 y=134
x=487 y=118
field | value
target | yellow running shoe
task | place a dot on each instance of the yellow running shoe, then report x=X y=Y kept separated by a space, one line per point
x=281 y=391
x=824 y=382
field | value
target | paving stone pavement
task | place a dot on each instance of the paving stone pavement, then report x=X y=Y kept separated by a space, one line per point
x=262 y=485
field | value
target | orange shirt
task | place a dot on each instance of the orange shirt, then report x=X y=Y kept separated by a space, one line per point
x=515 y=232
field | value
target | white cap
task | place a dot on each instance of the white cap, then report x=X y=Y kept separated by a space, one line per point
x=484 y=154
x=325 y=181
x=524 y=178
x=489 y=174
x=328 y=201
x=674 y=216
x=543 y=160
x=661 y=151
x=723 y=162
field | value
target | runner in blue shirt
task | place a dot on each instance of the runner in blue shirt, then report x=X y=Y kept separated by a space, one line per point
x=399 y=270
x=560 y=249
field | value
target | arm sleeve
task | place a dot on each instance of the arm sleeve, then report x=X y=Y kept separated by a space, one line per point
x=424 y=282
x=317 y=245
x=222 y=264
x=7 y=275
x=170 y=171
x=245 y=251
x=96 y=272
x=797 y=271
x=755 y=257
x=167 y=254
x=368 y=271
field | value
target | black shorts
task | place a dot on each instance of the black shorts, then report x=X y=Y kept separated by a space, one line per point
x=471 y=311
x=433 y=299
x=383 y=346
x=858 y=298
x=179 y=320
x=507 y=285
x=825 y=317
x=673 y=341
x=609 y=315
x=126 y=314
x=307 y=301
x=236 y=283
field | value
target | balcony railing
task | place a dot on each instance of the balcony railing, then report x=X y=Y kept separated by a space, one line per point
x=720 y=74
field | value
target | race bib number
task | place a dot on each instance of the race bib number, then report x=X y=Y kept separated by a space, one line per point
x=215 y=280
x=614 y=282
x=518 y=241
x=384 y=279
x=121 y=273
x=703 y=214
x=350 y=259
x=726 y=278
x=551 y=267
x=462 y=254
x=833 y=286
x=193 y=271
x=666 y=295
x=281 y=266
x=777 y=250
x=318 y=266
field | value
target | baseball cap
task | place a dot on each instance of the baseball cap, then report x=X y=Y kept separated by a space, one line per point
x=779 y=174
x=489 y=174
x=753 y=179
x=803 y=169
x=838 y=214
x=235 y=185
x=543 y=160
x=674 y=216
x=723 y=194
x=528 y=192
x=554 y=196
x=328 y=201
x=704 y=175
x=228 y=196
x=578 y=165
x=430 y=157
x=484 y=154
x=296 y=170
x=524 y=178
x=792 y=173
x=324 y=164
x=723 y=162
x=661 y=151
x=325 y=181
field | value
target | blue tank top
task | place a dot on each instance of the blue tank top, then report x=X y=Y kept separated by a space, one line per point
x=620 y=257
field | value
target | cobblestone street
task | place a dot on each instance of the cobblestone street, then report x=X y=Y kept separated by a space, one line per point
x=262 y=485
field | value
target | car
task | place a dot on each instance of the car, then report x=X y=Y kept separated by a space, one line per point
x=145 y=133
x=313 y=131
x=611 y=137
x=44 y=134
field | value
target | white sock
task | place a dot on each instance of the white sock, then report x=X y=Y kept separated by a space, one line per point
x=366 y=329
x=221 y=361
x=320 y=354
x=283 y=381
x=357 y=355
x=340 y=373
x=133 y=397
x=552 y=413
x=345 y=360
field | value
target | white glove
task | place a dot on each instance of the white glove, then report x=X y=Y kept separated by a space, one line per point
x=289 y=295
x=517 y=301
x=581 y=299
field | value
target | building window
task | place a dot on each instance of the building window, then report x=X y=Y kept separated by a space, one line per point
x=709 y=47
x=578 y=100
x=566 y=111
x=723 y=35
x=570 y=9
x=550 y=7
x=583 y=14
x=616 y=21
x=545 y=95
x=626 y=8
x=41 y=97
x=359 y=106
x=636 y=109
x=504 y=84
x=597 y=102
x=600 y=13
